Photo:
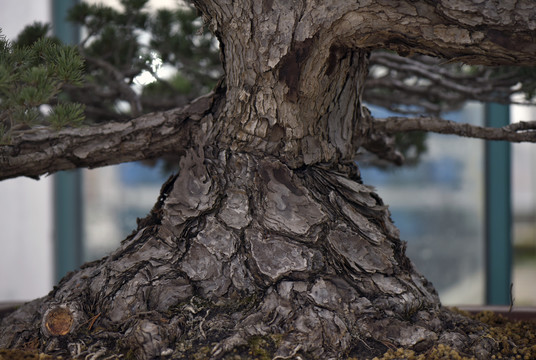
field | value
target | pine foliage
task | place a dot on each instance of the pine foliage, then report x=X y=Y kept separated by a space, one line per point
x=136 y=61
x=33 y=72
x=43 y=82
x=125 y=47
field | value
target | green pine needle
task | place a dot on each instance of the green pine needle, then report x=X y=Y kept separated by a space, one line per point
x=33 y=71
x=66 y=114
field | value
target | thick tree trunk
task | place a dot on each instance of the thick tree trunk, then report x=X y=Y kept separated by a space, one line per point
x=242 y=253
x=266 y=242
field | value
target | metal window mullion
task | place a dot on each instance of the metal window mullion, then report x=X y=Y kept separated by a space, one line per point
x=67 y=184
x=498 y=211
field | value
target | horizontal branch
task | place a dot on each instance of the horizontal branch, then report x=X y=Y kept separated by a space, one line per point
x=42 y=151
x=524 y=131
x=468 y=31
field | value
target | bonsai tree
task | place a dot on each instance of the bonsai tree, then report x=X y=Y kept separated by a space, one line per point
x=266 y=243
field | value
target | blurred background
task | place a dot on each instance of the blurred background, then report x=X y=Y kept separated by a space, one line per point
x=468 y=215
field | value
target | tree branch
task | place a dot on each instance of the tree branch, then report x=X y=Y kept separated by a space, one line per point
x=524 y=131
x=469 y=31
x=468 y=85
x=43 y=151
x=422 y=84
x=123 y=88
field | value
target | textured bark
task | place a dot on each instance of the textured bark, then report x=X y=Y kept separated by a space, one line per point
x=523 y=131
x=238 y=248
x=490 y=33
x=43 y=150
x=266 y=240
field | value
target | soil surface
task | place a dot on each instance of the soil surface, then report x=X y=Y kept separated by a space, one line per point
x=516 y=340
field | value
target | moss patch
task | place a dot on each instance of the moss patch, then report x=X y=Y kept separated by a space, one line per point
x=25 y=355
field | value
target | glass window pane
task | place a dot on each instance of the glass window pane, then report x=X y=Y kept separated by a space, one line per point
x=524 y=213
x=438 y=205
x=114 y=197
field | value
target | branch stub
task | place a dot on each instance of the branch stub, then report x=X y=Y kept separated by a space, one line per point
x=58 y=321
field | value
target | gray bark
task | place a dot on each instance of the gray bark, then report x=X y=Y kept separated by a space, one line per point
x=239 y=248
x=518 y=132
x=44 y=151
x=267 y=240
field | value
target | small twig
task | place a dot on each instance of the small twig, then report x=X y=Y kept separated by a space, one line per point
x=128 y=93
x=96 y=355
x=201 y=325
x=511 y=297
x=424 y=84
x=291 y=355
x=364 y=343
x=93 y=321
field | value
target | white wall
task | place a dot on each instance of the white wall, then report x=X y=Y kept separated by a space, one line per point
x=15 y=14
x=26 y=259
x=26 y=245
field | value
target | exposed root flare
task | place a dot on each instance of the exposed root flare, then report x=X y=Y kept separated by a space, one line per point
x=245 y=255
